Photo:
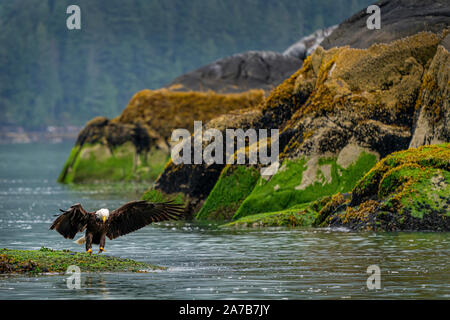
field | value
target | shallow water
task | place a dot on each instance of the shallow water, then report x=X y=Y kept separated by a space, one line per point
x=205 y=262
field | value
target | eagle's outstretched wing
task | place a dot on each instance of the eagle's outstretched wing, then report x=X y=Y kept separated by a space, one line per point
x=137 y=214
x=71 y=221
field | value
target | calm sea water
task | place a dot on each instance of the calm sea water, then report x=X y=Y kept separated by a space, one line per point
x=205 y=262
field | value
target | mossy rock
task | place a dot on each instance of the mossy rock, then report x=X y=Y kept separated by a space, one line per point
x=408 y=190
x=302 y=215
x=339 y=98
x=153 y=195
x=47 y=260
x=433 y=103
x=196 y=181
x=233 y=186
x=300 y=181
x=136 y=145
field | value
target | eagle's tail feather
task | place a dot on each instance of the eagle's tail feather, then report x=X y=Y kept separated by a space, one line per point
x=81 y=241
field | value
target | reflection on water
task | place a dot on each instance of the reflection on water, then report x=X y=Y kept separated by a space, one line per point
x=203 y=261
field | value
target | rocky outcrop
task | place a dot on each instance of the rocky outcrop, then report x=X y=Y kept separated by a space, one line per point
x=433 y=106
x=135 y=145
x=240 y=72
x=399 y=19
x=345 y=109
x=338 y=115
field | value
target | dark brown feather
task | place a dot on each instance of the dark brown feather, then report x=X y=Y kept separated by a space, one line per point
x=137 y=214
x=70 y=222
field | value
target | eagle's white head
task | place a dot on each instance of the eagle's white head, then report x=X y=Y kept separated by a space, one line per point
x=102 y=214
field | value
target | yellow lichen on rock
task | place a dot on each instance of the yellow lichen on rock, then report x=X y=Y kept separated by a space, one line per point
x=383 y=76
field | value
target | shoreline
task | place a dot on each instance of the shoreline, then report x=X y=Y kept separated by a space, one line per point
x=52 y=134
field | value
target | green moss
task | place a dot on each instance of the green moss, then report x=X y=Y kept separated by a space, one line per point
x=47 y=260
x=285 y=189
x=96 y=162
x=233 y=186
x=153 y=195
x=302 y=215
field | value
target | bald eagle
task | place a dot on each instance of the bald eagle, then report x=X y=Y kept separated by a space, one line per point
x=101 y=224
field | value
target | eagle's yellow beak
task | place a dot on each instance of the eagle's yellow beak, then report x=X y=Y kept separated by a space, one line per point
x=104 y=219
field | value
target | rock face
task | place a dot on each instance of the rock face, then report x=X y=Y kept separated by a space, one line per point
x=240 y=72
x=135 y=145
x=399 y=19
x=433 y=106
x=344 y=110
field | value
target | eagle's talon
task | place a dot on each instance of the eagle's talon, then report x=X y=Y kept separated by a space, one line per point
x=89 y=251
x=101 y=250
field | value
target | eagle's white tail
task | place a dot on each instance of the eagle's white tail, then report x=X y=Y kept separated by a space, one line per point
x=81 y=241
